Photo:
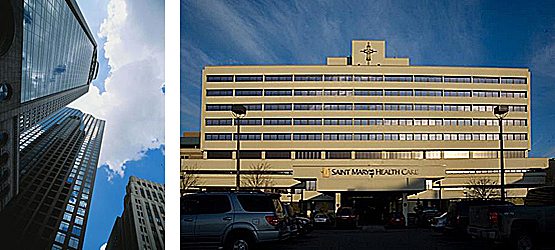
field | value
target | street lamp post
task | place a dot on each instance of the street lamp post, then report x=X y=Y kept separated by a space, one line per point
x=501 y=112
x=238 y=111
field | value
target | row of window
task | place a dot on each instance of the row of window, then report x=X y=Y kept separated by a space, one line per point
x=365 y=92
x=366 y=136
x=365 y=121
x=347 y=154
x=365 y=106
x=365 y=78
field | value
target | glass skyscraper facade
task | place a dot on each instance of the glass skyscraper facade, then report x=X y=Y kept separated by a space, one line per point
x=49 y=62
x=59 y=158
x=57 y=53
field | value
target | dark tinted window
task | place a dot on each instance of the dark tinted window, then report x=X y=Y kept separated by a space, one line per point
x=256 y=203
x=278 y=154
x=219 y=154
x=541 y=197
x=188 y=205
x=212 y=204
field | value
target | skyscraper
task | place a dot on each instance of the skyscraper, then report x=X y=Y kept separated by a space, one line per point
x=58 y=163
x=47 y=60
x=141 y=226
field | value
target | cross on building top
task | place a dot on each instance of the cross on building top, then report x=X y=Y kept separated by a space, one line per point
x=368 y=51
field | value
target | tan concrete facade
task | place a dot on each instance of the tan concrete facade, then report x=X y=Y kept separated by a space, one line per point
x=376 y=124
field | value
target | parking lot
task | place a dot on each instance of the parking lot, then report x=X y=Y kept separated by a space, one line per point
x=374 y=238
x=377 y=238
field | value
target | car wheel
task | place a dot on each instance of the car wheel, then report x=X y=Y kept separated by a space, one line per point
x=239 y=242
x=524 y=242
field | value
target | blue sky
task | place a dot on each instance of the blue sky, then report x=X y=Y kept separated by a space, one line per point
x=128 y=95
x=450 y=33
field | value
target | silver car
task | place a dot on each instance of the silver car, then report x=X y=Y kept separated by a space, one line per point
x=234 y=220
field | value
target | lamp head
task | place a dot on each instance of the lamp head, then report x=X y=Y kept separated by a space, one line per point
x=501 y=110
x=238 y=110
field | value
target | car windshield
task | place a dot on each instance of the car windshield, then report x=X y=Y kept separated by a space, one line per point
x=321 y=216
x=344 y=212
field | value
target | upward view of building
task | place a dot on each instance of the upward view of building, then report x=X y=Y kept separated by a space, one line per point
x=58 y=162
x=47 y=60
x=141 y=226
x=367 y=130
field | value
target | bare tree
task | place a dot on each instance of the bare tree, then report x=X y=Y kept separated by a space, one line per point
x=482 y=188
x=257 y=176
x=189 y=179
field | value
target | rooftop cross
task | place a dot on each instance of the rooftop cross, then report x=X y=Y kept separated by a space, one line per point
x=368 y=51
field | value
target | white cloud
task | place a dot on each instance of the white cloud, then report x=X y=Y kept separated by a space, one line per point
x=103 y=247
x=133 y=104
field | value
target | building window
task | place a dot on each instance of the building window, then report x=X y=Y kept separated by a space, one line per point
x=427 y=93
x=517 y=108
x=367 y=78
x=484 y=154
x=218 y=107
x=338 y=78
x=398 y=93
x=514 y=154
x=56 y=247
x=219 y=154
x=249 y=121
x=308 y=154
x=310 y=185
x=308 y=106
x=273 y=107
x=368 y=106
x=304 y=78
x=456 y=154
x=368 y=137
x=456 y=107
x=308 y=92
x=399 y=155
x=272 y=121
x=486 y=94
x=64 y=226
x=277 y=137
x=338 y=154
x=218 y=122
x=338 y=106
x=368 y=154
x=248 y=136
x=338 y=137
x=428 y=107
x=279 y=78
x=513 y=80
x=219 y=78
x=398 y=78
x=401 y=107
x=433 y=154
x=368 y=92
x=223 y=92
x=247 y=78
x=492 y=80
x=217 y=137
x=428 y=79
x=278 y=154
x=308 y=121
x=307 y=137
x=277 y=92
x=338 y=121
x=456 y=93
x=73 y=242
x=338 y=92
x=366 y=121
x=67 y=216
x=457 y=79
x=60 y=237
x=250 y=154
x=248 y=92
x=76 y=230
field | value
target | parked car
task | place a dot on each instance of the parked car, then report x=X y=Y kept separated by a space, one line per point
x=395 y=219
x=523 y=227
x=346 y=217
x=233 y=220
x=322 y=220
x=438 y=223
x=426 y=216
x=457 y=215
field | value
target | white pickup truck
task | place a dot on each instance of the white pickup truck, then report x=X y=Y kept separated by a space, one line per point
x=523 y=227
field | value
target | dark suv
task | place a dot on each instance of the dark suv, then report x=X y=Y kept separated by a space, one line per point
x=234 y=220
